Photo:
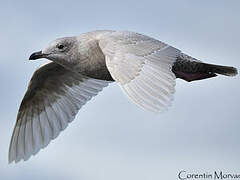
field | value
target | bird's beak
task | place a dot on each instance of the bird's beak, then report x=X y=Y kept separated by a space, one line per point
x=37 y=55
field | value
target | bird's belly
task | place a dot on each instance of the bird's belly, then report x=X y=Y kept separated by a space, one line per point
x=102 y=74
x=94 y=70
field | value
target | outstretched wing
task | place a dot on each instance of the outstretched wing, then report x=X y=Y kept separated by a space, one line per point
x=142 y=66
x=52 y=100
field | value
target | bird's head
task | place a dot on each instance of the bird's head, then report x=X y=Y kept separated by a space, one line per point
x=58 y=50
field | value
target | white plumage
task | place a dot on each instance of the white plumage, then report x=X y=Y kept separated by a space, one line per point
x=143 y=68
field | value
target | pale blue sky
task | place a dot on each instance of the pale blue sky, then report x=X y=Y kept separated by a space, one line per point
x=112 y=138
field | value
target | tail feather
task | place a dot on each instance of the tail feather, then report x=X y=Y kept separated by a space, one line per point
x=224 y=70
x=191 y=70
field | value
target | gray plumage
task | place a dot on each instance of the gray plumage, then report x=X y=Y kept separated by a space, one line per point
x=83 y=65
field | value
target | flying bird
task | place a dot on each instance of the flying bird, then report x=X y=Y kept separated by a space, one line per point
x=81 y=66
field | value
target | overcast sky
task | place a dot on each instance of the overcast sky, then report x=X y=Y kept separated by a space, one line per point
x=112 y=138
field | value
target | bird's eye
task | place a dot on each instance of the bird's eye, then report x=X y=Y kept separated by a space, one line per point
x=60 y=46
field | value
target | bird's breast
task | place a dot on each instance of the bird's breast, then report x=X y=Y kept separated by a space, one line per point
x=92 y=62
x=96 y=70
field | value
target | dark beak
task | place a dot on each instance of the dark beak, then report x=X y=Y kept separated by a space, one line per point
x=36 y=55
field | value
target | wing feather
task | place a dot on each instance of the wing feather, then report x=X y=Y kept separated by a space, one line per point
x=52 y=100
x=143 y=68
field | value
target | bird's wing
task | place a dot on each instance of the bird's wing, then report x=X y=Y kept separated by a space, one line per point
x=52 y=100
x=142 y=66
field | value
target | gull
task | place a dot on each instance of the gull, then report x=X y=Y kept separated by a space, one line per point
x=81 y=66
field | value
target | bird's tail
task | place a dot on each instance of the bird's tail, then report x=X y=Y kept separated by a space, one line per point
x=224 y=70
x=190 y=69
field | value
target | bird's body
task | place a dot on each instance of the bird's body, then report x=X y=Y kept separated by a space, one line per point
x=83 y=65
